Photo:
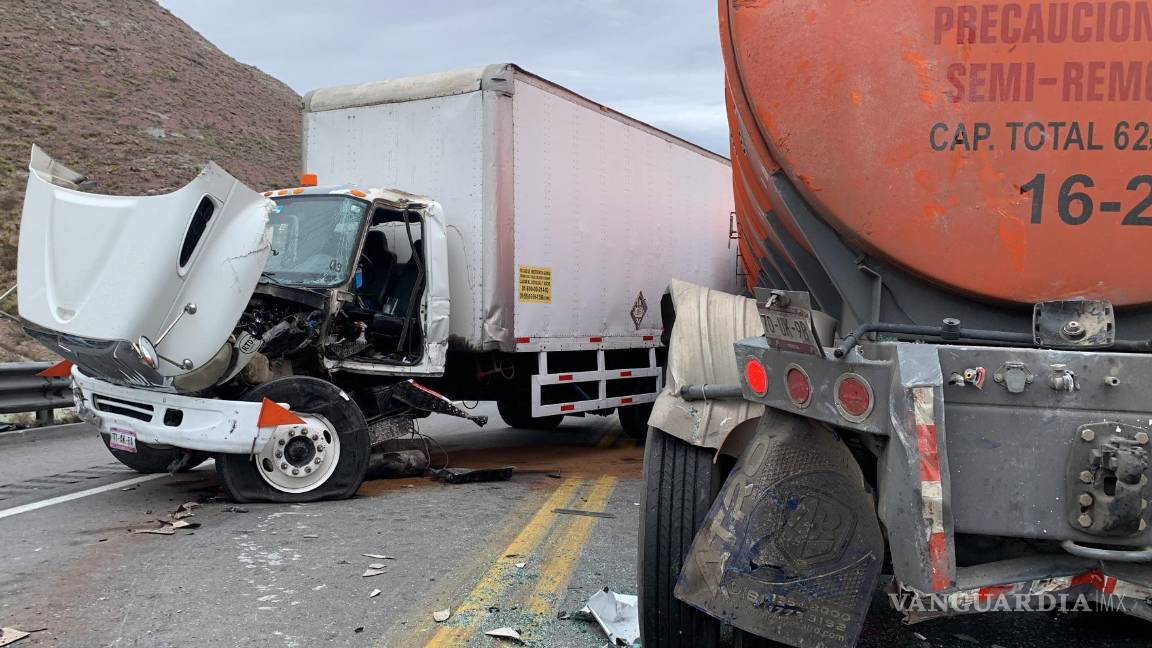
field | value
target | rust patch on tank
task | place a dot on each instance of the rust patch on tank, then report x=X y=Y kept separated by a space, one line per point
x=1014 y=236
x=925 y=181
x=810 y=17
x=857 y=99
x=923 y=75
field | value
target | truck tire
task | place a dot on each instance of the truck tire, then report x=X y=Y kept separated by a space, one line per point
x=151 y=459
x=249 y=478
x=634 y=419
x=680 y=482
x=518 y=414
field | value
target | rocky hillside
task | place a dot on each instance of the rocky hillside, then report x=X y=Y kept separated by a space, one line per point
x=130 y=95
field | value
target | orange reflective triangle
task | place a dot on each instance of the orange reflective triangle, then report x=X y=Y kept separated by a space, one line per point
x=272 y=414
x=61 y=369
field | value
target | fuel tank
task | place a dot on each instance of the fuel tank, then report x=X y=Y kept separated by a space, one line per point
x=998 y=151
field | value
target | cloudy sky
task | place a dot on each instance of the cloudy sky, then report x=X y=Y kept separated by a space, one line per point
x=657 y=60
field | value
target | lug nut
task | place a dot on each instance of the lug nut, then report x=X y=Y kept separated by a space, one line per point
x=1085 y=499
x=1087 y=435
x=307 y=469
x=279 y=455
x=280 y=442
x=1085 y=520
x=320 y=447
x=291 y=432
x=283 y=466
x=1142 y=438
x=317 y=462
x=1086 y=476
x=315 y=436
x=295 y=471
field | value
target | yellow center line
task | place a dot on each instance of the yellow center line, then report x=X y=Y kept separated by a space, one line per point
x=492 y=583
x=555 y=574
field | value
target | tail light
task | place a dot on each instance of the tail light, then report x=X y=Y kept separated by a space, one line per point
x=853 y=397
x=757 y=376
x=799 y=386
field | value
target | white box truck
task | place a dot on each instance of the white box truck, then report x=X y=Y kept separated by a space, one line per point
x=474 y=235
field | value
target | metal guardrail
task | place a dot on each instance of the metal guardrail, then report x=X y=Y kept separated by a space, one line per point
x=21 y=390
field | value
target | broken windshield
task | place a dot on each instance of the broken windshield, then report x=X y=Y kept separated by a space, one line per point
x=313 y=239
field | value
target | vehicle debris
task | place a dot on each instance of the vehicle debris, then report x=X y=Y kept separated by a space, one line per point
x=599 y=514
x=377 y=556
x=617 y=614
x=11 y=635
x=505 y=633
x=374 y=593
x=397 y=463
x=440 y=616
x=234 y=509
x=473 y=475
x=372 y=572
x=376 y=566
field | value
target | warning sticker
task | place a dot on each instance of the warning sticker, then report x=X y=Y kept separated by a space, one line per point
x=535 y=284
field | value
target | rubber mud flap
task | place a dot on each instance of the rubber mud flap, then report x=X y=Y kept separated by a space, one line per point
x=791 y=550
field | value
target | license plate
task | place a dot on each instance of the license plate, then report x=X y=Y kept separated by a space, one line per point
x=789 y=327
x=122 y=439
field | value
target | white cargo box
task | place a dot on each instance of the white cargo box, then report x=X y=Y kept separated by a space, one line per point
x=566 y=220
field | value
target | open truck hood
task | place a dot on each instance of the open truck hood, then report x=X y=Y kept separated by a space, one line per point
x=97 y=272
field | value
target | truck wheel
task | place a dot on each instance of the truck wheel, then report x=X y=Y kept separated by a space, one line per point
x=325 y=463
x=680 y=482
x=518 y=414
x=151 y=459
x=634 y=419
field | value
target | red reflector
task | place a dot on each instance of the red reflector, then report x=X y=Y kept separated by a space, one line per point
x=648 y=338
x=564 y=377
x=799 y=387
x=526 y=340
x=567 y=408
x=625 y=374
x=272 y=414
x=625 y=401
x=853 y=397
x=756 y=376
x=61 y=369
x=595 y=339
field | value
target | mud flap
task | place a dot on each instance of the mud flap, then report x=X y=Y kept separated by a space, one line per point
x=791 y=549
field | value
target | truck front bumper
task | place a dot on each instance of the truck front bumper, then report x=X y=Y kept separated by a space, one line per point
x=157 y=418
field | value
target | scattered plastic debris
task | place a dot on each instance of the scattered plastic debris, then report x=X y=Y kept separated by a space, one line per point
x=520 y=565
x=375 y=565
x=11 y=635
x=554 y=475
x=440 y=616
x=563 y=511
x=967 y=639
x=311 y=536
x=372 y=572
x=374 y=593
x=128 y=488
x=505 y=633
x=473 y=475
x=617 y=614
x=164 y=530
x=358 y=629
x=235 y=509
x=378 y=556
x=919 y=636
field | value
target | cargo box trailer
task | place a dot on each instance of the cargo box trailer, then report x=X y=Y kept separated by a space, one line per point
x=480 y=235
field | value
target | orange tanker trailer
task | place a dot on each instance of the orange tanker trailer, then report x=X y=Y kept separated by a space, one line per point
x=944 y=211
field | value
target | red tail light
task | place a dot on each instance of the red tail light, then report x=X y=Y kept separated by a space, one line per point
x=853 y=397
x=757 y=376
x=799 y=386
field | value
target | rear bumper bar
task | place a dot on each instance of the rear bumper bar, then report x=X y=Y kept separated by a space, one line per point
x=157 y=418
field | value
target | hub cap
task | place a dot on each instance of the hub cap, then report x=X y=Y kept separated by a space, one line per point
x=299 y=458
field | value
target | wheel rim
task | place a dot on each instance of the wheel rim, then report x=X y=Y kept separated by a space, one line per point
x=299 y=458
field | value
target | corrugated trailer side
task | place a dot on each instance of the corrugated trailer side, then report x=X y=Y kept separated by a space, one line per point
x=608 y=211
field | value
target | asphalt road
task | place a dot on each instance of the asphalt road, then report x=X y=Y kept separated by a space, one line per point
x=292 y=575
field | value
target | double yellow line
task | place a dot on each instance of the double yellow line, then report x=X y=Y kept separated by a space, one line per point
x=554 y=573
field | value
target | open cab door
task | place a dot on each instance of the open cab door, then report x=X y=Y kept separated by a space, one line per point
x=396 y=319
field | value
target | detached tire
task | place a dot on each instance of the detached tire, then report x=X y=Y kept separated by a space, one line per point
x=634 y=419
x=241 y=475
x=151 y=459
x=518 y=414
x=680 y=482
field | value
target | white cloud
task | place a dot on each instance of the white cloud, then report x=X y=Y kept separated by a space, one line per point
x=658 y=61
